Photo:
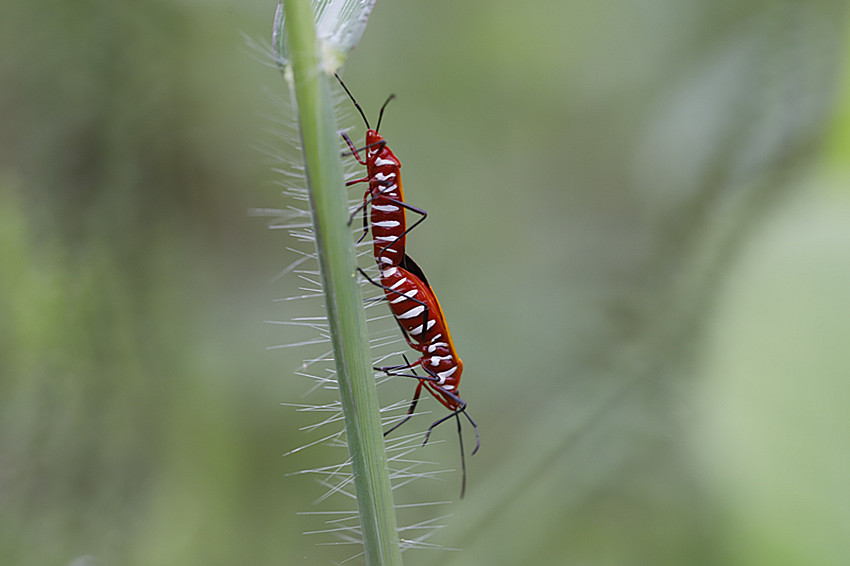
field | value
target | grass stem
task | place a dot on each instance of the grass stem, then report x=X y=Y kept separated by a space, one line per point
x=344 y=299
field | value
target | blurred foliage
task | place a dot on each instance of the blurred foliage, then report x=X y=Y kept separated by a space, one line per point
x=639 y=231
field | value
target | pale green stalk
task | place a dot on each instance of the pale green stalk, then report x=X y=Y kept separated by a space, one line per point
x=343 y=296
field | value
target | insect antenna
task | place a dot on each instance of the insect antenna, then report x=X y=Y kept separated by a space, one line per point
x=356 y=105
x=462 y=458
x=456 y=415
x=475 y=427
x=381 y=113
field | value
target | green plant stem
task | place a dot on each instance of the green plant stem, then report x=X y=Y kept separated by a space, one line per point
x=344 y=299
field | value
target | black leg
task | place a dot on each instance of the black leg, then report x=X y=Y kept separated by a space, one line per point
x=409 y=411
x=353 y=149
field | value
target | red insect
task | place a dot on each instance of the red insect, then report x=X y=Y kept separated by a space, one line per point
x=423 y=324
x=412 y=301
x=385 y=194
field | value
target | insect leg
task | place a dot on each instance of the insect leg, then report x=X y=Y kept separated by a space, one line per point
x=410 y=207
x=380 y=143
x=391 y=370
x=409 y=411
x=353 y=149
x=362 y=206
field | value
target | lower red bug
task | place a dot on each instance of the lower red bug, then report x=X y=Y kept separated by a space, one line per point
x=417 y=311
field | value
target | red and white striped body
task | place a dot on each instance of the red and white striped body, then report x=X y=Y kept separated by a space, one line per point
x=406 y=292
x=387 y=196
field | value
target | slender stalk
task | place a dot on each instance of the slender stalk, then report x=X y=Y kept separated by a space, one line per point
x=344 y=299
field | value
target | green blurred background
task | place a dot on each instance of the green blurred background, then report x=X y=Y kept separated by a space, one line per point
x=639 y=228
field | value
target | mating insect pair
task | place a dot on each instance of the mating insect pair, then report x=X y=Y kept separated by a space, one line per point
x=411 y=299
